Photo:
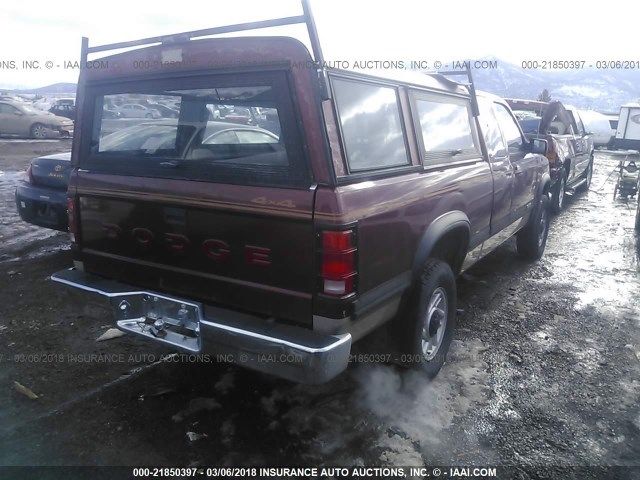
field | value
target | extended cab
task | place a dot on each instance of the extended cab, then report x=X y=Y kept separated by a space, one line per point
x=281 y=247
x=571 y=146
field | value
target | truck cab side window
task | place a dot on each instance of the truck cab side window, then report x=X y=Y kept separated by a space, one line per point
x=489 y=123
x=576 y=124
x=510 y=128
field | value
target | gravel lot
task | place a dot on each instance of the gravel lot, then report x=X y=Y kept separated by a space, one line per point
x=543 y=372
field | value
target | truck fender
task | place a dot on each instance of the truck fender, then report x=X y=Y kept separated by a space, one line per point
x=543 y=185
x=434 y=232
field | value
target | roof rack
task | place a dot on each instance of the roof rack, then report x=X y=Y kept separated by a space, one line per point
x=470 y=86
x=306 y=18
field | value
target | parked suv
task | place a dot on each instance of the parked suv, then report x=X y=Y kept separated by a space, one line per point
x=64 y=110
x=280 y=253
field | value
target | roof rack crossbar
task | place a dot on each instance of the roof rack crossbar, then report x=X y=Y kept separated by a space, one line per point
x=277 y=22
x=306 y=18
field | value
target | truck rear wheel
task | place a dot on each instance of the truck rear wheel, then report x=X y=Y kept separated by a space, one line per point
x=431 y=319
x=532 y=239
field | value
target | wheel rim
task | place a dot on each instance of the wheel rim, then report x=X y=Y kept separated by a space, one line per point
x=39 y=131
x=434 y=324
x=542 y=227
x=563 y=183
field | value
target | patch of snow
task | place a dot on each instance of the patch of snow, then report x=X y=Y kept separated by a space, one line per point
x=226 y=383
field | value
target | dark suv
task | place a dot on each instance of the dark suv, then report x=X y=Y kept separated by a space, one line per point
x=280 y=250
x=64 y=110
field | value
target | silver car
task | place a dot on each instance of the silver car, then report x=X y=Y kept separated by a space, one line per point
x=17 y=118
x=135 y=110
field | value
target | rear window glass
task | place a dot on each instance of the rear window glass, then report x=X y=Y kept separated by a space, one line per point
x=371 y=127
x=238 y=129
x=445 y=126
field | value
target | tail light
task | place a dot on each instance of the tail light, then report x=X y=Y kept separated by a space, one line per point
x=71 y=216
x=28 y=175
x=338 y=262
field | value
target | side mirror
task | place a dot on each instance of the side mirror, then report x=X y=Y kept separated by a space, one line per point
x=539 y=146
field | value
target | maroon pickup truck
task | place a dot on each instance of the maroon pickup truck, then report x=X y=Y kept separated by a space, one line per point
x=279 y=245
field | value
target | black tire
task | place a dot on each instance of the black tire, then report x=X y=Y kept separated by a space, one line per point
x=38 y=131
x=532 y=239
x=588 y=174
x=428 y=326
x=558 y=196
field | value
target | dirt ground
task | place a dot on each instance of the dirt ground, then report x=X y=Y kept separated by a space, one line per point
x=543 y=372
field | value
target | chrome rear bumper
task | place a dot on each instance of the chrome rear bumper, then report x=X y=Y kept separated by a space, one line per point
x=294 y=353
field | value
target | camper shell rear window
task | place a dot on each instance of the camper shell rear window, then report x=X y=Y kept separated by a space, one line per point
x=237 y=128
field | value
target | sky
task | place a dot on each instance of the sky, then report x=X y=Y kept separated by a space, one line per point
x=349 y=30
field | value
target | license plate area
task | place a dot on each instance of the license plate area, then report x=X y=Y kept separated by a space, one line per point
x=163 y=319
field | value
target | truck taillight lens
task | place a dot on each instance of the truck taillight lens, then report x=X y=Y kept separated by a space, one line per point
x=338 y=262
x=71 y=215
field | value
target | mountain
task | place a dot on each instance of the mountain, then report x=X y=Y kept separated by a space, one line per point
x=587 y=88
x=67 y=88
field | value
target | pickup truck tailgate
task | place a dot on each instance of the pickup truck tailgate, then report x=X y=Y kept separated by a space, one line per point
x=249 y=248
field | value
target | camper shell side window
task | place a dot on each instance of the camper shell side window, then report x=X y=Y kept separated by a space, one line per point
x=371 y=126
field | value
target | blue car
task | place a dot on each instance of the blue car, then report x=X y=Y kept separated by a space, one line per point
x=41 y=198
